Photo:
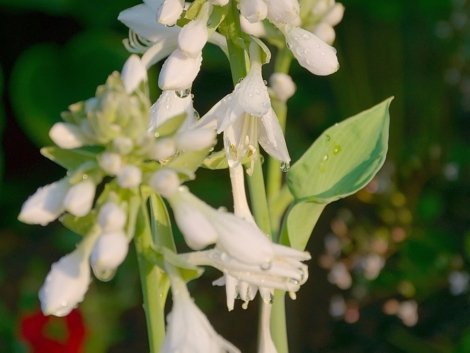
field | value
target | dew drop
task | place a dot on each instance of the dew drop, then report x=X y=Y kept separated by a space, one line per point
x=266 y=266
x=265 y=82
x=328 y=137
x=285 y=166
x=183 y=93
x=196 y=114
x=325 y=157
x=336 y=149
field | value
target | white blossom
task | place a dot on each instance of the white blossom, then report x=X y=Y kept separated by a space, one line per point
x=79 y=198
x=170 y=105
x=108 y=253
x=66 y=135
x=133 y=73
x=46 y=204
x=194 y=35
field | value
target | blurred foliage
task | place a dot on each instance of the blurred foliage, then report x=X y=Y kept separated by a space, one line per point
x=411 y=222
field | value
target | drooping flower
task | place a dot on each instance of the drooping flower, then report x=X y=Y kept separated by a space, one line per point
x=188 y=328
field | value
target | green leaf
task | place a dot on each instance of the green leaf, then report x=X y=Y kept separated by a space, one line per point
x=344 y=158
x=216 y=160
x=170 y=126
x=79 y=225
x=301 y=219
x=69 y=159
x=188 y=162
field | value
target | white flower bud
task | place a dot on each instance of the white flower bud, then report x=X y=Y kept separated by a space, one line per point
x=123 y=145
x=66 y=135
x=195 y=139
x=311 y=52
x=335 y=15
x=282 y=86
x=110 y=162
x=112 y=218
x=170 y=12
x=133 y=73
x=108 y=253
x=255 y=29
x=192 y=38
x=179 y=71
x=165 y=182
x=129 y=177
x=253 y=10
x=46 y=204
x=79 y=198
x=163 y=149
x=325 y=32
x=66 y=284
x=284 y=11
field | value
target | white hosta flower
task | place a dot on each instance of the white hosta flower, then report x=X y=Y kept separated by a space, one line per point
x=165 y=182
x=129 y=177
x=67 y=136
x=179 y=71
x=169 y=105
x=282 y=86
x=110 y=162
x=246 y=117
x=188 y=329
x=133 y=73
x=79 y=198
x=67 y=282
x=284 y=11
x=170 y=11
x=46 y=204
x=311 y=52
x=111 y=217
x=253 y=10
x=284 y=272
x=108 y=253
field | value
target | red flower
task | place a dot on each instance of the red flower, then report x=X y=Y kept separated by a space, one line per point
x=33 y=330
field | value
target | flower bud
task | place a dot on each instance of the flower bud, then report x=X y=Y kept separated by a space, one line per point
x=179 y=71
x=123 y=145
x=195 y=139
x=111 y=217
x=163 y=149
x=325 y=32
x=192 y=38
x=66 y=284
x=66 y=135
x=110 y=162
x=129 y=177
x=335 y=15
x=284 y=11
x=133 y=73
x=79 y=198
x=165 y=182
x=108 y=253
x=311 y=52
x=253 y=10
x=46 y=204
x=255 y=29
x=282 y=86
x=170 y=12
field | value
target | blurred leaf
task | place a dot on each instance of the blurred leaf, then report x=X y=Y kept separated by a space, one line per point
x=79 y=225
x=69 y=159
x=46 y=79
x=344 y=158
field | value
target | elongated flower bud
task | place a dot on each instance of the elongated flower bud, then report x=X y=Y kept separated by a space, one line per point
x=253 y=10
x=282 y=86
x=79 y=198
x=111 y=218
x=192 y=38
x=170 y=12
x=129 y=177
x=133 y=73
x=45 y=205
x=165 y=182
x=66 y=284
x=179 y=71
x=108 y=253
x=311 y=52
x=284 y=11
x=66 y=135
x=110 y=162
x=195 y=139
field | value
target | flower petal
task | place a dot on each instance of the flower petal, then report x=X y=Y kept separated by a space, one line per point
x=179 y=71
x=271 y=137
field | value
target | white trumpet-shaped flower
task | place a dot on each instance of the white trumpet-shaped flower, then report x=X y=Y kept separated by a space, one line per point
x=189 y=330
x=46 y=204
x=247 y=118
x=311 y=52
x=67 y=282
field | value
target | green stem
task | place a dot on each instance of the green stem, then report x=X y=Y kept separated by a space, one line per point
x=154 y=281
x=278 y=322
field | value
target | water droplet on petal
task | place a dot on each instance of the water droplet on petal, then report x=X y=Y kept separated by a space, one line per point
x=266 y=266
x=325 y=157
x=336 y=149
x=285 y=166
x=183 y=93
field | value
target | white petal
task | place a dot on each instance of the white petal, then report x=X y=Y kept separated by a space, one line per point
x=282 y=86
x=253 y=10
x=167 y=106
x=193 y=37
x=45 y=205
x=79 y=198
x=142 y=20
x=112 y=218
x=325 y=32
x=133 y=73
x=284 y=11
x=251 y=94
x=311 y=52
x=179 y=71
x=195 y=139
x=154 y=4
x=108 y=253
x=271 y=137
x=66 y=284
x=66 y=135
x=170 y=12
x=255 y=29
x=165 y=182
x=129 y=177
